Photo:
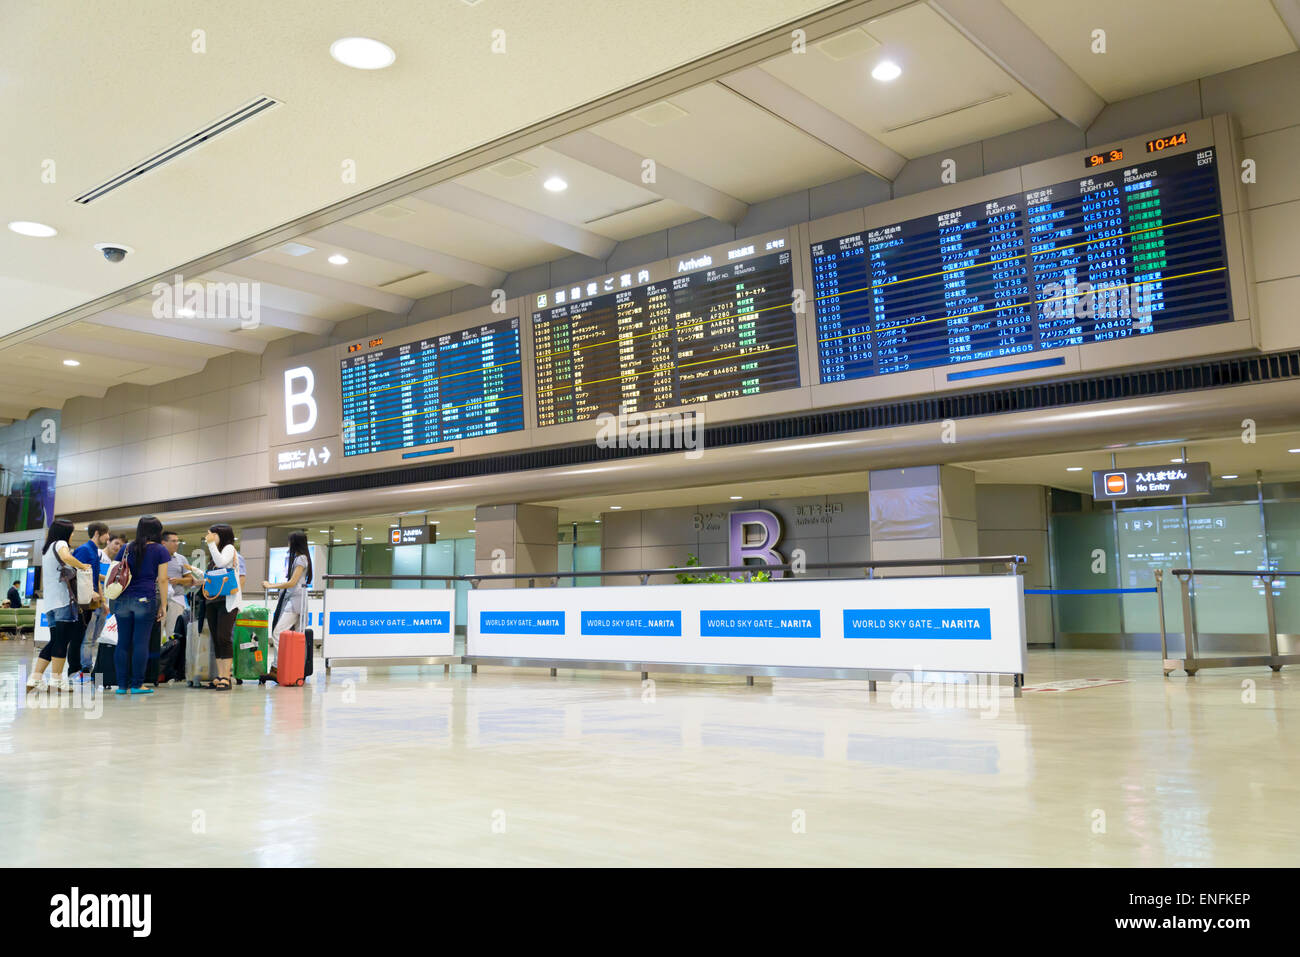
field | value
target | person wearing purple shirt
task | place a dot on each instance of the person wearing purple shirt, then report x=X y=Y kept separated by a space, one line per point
x=141 y=603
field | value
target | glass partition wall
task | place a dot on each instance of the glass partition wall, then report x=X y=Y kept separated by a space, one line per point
x=1098 y=546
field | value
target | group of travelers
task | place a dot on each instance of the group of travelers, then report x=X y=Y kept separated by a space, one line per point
x=144 y=585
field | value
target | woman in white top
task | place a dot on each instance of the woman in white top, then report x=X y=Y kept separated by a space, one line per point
x=294 y=612
x=222 y=612
x=60 y=605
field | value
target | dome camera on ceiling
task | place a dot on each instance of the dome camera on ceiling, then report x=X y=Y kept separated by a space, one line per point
x=114 y=252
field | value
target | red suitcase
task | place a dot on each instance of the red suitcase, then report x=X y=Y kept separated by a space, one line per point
x=291 y=659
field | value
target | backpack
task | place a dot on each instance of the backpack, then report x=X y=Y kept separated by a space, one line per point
x=119 y=577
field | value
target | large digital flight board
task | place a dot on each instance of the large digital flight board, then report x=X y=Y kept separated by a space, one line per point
x=1129 y=251
x=460 y=385
x=718 y=333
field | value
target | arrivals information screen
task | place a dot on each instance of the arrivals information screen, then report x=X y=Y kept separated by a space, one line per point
x=461 y=385
x=1125 y=251
x=718 y=333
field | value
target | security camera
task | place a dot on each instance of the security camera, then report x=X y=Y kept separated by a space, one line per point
x=114 y=252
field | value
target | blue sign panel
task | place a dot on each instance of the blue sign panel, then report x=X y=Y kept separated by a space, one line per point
x=521 y=622
x=763 y=623
x=926 y=623
x=633 y=624
x=390 y=623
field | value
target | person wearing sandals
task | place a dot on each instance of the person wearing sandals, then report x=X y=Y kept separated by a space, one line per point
x=140 y=605
x=60 y=606
x=221 y=612
x=291 y=609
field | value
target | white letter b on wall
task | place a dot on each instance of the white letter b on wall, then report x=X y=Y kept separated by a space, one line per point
x=302 y=397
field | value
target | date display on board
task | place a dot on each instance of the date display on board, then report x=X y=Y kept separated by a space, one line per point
x=1098 y=159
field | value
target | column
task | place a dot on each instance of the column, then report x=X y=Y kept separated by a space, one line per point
x=1013 y=520
x=525 y=534
x=923 y=512
x=252 y=546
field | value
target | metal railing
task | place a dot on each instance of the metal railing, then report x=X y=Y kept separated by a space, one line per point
x=1192 y=661
x=1011 y=563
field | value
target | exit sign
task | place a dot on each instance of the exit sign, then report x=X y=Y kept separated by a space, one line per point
x=414 y=535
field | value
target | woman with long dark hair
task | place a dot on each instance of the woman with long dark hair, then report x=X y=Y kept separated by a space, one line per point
x=142 y=602
x=292 y=611
x=60 y=598
x=222 y=611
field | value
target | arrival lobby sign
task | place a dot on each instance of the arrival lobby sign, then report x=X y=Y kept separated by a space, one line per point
x=1152 y=481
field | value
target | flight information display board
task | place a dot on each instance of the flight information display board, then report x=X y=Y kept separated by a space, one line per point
x=1123 y=251
x=717 y=333
x=459 y=385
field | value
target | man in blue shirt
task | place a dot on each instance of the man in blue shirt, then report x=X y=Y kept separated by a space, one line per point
x=89 y=552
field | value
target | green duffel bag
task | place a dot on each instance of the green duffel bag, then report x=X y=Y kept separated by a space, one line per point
x=251 y=639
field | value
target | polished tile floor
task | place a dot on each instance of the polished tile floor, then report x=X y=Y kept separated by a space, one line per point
x=407 y=766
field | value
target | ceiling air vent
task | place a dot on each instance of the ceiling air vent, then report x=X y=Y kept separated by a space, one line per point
x=216 y=128
x=660 y=114
x=510 y=168
x=847 y=44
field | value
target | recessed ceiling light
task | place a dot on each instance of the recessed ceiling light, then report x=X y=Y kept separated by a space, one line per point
x=886 y=70
x=1074 y=468
x=370 y=538
x=1293 y=451
x=471 y=531
x=737 y=498
x=338 y=259
x=556 y=185
x=185 y=313
x=1176 y=461
x=71 y=362
x=362 y=53
x=615 y=508
x=1229 y=476
x=36 y=230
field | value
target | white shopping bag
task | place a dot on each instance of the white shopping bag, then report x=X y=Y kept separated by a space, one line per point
x=109 y=635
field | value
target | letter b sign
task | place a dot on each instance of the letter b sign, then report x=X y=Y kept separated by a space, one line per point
x=299 y=403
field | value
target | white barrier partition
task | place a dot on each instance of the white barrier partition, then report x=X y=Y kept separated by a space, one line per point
x=953 y=623
x=389 y=622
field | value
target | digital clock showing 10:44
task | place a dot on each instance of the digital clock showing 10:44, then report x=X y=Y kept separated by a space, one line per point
x=1164 y=142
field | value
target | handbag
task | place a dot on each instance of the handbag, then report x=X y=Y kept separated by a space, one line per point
x=219 y=582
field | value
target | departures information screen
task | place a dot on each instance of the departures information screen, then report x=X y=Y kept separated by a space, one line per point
x=1126 y=251
x=718 y=333
x=460 y=385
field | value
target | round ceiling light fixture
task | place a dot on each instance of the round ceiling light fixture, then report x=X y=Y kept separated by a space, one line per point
x=35 y=230
x=338 y=259
x=71 y=362
x=362 y=53
x=556 y=185
x=886 y=70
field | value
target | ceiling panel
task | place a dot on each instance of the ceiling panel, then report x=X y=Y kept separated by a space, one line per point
x=1153 y=44
x=932 y=105
x=456 y=234
x=294 y=300
x=591 y=195
x=719 y=136
x=359 y=268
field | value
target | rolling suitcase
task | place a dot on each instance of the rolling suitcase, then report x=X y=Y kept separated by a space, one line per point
x=104 y=652
x=200 y=655
x=291 y=662
x=171 y=661
x=250 y=639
